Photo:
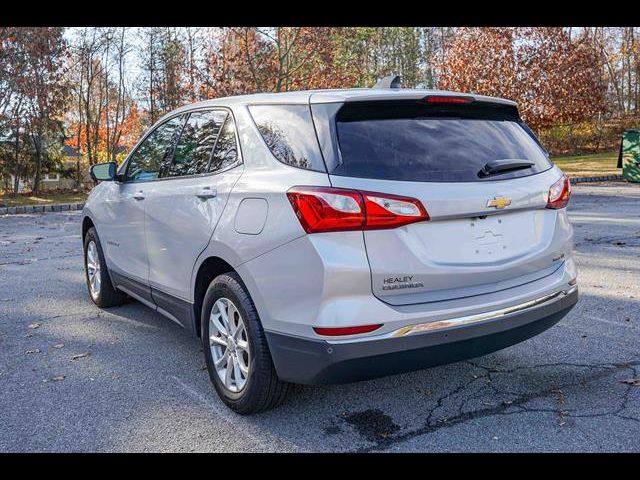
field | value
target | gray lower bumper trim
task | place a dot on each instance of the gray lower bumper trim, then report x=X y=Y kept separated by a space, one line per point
x=302 y=360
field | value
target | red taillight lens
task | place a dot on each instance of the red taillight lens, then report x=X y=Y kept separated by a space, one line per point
x=336 y=331
x=326 y=209
x=441 y=100
x=559 y=193
x=391 y=211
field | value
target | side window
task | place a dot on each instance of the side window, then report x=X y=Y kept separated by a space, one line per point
x=226 y=152
x=288 y=132
x=193 y=150
x=154 y=154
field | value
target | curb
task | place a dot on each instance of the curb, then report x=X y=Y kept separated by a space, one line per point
x=61 y=207
x=602 y=178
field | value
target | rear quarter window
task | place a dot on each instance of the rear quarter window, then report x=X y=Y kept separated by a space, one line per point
x=289 y=133
x=416 y=142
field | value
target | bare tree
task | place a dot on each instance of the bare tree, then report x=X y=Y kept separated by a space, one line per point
x=41 y=79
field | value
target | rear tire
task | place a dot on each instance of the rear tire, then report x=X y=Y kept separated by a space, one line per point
x=233 y=338
x=99 y=285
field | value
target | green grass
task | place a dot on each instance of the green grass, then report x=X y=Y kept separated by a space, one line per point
x=589 y=165
x=44 y=198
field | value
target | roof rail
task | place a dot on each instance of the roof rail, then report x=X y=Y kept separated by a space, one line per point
x=390 y=81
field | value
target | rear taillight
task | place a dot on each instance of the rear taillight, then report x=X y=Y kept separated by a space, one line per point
x=391 y=211
x=326 y=209
x=336 y=331
x=559 y=193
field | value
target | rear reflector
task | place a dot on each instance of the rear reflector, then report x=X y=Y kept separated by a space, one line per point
x=559 y=193
x=337 y=331
x=440 y=100
x=327 y=209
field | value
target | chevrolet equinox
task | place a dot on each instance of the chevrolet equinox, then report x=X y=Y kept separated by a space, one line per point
x=335 y=235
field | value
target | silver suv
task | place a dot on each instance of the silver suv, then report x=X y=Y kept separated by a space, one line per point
x=335 y=235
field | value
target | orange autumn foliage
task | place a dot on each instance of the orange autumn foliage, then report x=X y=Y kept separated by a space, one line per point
x=129 y=132
x=553 y=78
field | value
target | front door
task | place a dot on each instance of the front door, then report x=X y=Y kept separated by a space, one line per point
x=125 y=237
x=122 y=221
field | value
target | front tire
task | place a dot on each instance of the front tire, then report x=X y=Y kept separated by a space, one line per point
x=101 y=290
x=236 y=351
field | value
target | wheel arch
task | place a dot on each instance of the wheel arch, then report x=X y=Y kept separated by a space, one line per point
x=87 y=223
x=209 y=269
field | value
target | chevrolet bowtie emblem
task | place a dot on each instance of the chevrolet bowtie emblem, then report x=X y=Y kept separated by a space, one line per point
x=499 y=202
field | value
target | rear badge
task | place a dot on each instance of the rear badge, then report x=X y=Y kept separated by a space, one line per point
x=499 y=202
x=396 y=283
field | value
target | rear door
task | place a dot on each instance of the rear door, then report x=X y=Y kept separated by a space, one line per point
x=184 y=206
x=487 y=231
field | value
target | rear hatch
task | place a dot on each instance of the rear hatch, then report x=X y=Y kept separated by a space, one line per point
x=479 y=172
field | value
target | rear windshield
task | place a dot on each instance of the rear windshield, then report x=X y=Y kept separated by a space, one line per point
x=416 y=142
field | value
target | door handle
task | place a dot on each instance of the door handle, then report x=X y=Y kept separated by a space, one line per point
x=138 y=195
x=207 y=192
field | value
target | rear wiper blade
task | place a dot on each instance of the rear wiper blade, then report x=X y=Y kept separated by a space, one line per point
x=495 y=167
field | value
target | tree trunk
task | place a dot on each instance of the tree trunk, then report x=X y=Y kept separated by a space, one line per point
x=16 y=153
x=16 y=179
x=36 y=178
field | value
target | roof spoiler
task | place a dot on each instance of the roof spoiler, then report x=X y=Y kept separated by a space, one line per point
x=390 y=81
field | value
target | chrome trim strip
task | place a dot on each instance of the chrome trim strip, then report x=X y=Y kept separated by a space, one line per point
x=479 y=317
x=137 y=297
x=162 y=311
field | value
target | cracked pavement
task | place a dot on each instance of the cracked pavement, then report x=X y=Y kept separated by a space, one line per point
x=77 y=378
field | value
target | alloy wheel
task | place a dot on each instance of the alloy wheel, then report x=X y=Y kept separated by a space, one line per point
x=229 y=344
x=93 y=269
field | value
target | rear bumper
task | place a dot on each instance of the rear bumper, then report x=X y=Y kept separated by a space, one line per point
x=310 y=361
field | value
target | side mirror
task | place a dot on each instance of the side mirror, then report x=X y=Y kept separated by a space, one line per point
x=103 y=172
